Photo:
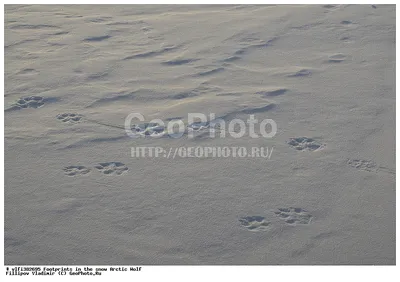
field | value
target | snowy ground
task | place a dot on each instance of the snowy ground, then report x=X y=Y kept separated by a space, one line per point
x=325 y=72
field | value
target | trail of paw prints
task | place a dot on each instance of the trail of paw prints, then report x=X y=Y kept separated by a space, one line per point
x=204 y=129
x=362 y=165
x=293 y=216
x=112 y=168
x=198 y=126
x=29 y=102
x=305 y=144
x=69 y=118
x=74 y=170
x=254 y=223
x=368 y=165
x=198 y=129
x=149 y=129
x=158 y=130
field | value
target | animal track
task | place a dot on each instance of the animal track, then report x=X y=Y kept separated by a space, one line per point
x=112 y=168
x=198 y=126
x=204 y=129
x=254 y=223
x=362 y=164
x=69 y=118
x=369 y=166
x=294 y=216
x=304 y=143
x=149 y=129
x=76 y=170
x=30 y=102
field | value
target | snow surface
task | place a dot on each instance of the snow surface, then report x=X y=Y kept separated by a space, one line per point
x=324 y=73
